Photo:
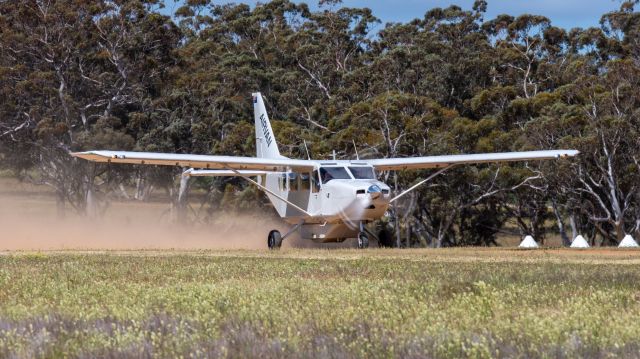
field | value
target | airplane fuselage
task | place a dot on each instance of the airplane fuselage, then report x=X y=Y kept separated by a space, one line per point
x=337 y=196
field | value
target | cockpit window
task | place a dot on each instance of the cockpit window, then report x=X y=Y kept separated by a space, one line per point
x=362 y=172
x=329 y=173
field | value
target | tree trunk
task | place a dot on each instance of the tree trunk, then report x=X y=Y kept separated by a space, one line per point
x=396 y=217
x=123 y=191
x=396 y=226
x=143 y=187
x=91 y=209
x=90 y=205
x=406 y=218
x=561 y=228
x=574 y=229
x=408 y=233
x=139 y=195
x=440 y=235
x=620 y=232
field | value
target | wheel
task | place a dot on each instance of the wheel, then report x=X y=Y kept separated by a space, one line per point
x=274 y=240
x=385 y=239
x=363 y=240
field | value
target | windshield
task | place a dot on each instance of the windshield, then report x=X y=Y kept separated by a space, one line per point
x=362 y=172
x=329 y=173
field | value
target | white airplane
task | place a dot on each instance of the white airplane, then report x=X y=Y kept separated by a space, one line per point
x=325 y=200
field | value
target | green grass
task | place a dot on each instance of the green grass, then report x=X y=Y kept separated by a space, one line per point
x=314 y=303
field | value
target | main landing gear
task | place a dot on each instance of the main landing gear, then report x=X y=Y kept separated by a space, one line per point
x=274 y=240
x=363 y=237
x=363 y=240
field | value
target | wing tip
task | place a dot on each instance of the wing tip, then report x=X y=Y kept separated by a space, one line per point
x=569 y=153
x=96 y=156
x=80 y=154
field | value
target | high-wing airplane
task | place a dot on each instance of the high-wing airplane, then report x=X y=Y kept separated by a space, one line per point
x=324 y=200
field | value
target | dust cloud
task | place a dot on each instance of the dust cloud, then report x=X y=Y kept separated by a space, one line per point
x=28 y=233
x=28 y=221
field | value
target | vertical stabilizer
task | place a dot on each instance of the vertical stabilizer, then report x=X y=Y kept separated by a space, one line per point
x=266 y=146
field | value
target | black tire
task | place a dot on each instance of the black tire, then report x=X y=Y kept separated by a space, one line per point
x=385 y=239
x=363 y=240
x=274 y=240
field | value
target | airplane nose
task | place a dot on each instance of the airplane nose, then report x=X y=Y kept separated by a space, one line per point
x=374 y=191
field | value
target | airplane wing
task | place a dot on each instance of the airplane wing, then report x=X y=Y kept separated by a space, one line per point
x=198 y=161
x=222 y=173
x=387 y=164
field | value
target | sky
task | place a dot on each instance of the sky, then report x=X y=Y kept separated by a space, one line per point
x=563 y=13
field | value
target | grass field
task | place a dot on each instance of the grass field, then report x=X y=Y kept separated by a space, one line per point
x=167 y=300
x=321 y=303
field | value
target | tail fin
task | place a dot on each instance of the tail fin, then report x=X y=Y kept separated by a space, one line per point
x=266 y=146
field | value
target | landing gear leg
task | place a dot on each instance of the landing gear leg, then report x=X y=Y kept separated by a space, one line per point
x=274 y=240
x=363 y=238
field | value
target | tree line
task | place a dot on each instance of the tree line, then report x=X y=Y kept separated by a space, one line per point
x=121 y=74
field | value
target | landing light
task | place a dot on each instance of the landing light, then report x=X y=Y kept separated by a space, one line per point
x=374 y=191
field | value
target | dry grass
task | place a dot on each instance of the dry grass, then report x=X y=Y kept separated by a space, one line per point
x=320 y=303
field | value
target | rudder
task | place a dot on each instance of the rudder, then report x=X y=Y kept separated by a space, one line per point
x=266 y=146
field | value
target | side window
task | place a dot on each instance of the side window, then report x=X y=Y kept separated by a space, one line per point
x=324 y=176
x=293 y=181
x=282 y=182
x=315 y=182
x=305 y=183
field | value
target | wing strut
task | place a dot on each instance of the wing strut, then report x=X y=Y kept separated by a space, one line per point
x=265 y=189
x=421 y=182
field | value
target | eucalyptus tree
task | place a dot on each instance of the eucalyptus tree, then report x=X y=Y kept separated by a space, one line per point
x=80 y=67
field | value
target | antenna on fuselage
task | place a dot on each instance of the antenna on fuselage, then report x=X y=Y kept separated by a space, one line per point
x=356 y=149
x=334 y=155
x=306 y=149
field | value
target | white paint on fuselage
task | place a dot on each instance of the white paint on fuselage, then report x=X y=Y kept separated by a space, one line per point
x=341 y=200
x=336 y=208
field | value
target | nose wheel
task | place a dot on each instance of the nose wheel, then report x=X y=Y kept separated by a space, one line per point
x=274 y=240
x=363 y=240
